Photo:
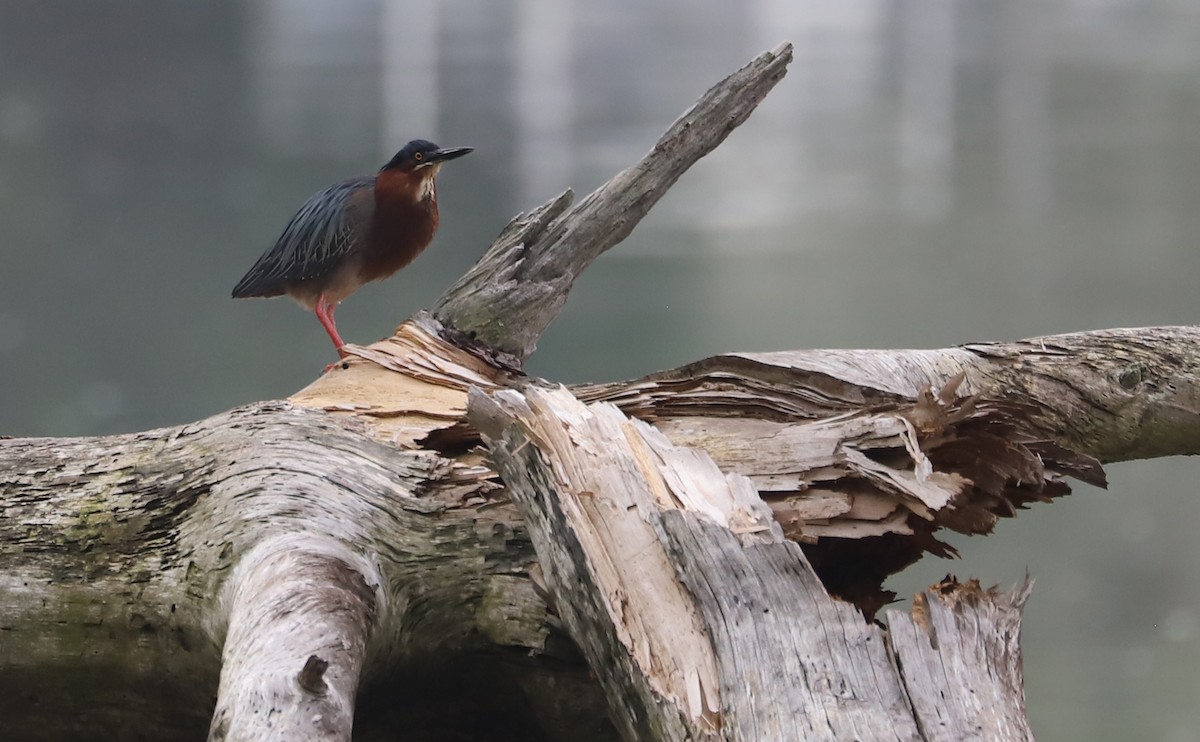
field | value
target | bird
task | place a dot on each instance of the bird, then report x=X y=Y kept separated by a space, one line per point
x=353 y=232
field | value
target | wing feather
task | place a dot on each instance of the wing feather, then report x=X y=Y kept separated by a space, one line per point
x=325 y=230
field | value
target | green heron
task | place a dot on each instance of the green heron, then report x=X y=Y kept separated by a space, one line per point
x=353 y=232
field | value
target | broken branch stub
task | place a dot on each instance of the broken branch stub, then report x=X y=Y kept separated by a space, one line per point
x=506 y=301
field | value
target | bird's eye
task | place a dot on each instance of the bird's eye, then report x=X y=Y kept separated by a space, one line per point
x=418 y=156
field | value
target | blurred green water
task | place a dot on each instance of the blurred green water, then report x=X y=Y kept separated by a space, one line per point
x=929 y=173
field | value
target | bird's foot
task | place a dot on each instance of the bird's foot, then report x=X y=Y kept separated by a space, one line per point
x=341 y=361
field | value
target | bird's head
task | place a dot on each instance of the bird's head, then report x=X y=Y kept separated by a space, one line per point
x=422 y=157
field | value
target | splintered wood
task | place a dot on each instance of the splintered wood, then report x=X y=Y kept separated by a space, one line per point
x=612 y=479
x=404 y=386
x=700 y=618
x=962 y=636
x=854 y=444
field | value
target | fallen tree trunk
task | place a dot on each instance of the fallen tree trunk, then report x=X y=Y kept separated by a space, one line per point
x=707 y=541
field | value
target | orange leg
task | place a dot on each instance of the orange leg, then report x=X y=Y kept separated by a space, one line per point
x=325 y=315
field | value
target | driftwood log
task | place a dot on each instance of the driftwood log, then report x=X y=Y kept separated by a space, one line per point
x=427 y=544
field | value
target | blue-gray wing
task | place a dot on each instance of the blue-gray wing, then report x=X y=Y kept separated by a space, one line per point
x=328 y=228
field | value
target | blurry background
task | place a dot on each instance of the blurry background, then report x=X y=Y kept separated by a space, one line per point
x=929 y=173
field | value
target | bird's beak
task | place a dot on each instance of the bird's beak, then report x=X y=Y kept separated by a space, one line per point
x=446 y=153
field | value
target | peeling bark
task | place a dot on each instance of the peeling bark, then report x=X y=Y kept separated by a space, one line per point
x=619 y=515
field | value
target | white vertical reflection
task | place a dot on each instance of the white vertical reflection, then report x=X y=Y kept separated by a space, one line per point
x=409 y=32
x=820 y=156
x=926 y=156
x=1025 y=127
x=315 y=75
x=544 y=104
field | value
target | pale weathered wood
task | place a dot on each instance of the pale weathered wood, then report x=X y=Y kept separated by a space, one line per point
x=826 y=435
x=404 y=387
x=116 y=551
x=961 y=636
x=795 y=663
x=302 y=610
x=133 y=557
x=590 y=517
x=506 y=301
x=1116 y=394
x=630 y=527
